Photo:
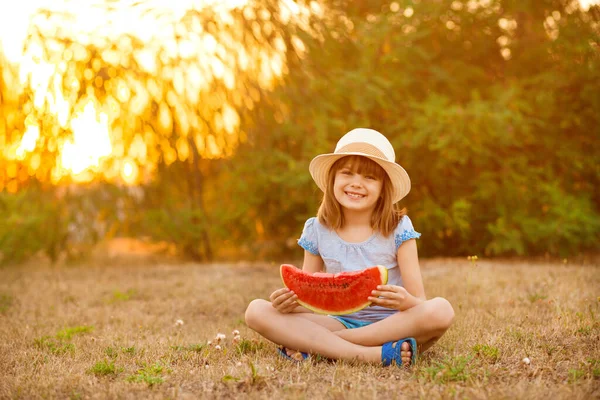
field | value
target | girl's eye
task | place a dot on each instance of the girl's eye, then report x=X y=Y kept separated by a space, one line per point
x=369 y=177
x=346 y=172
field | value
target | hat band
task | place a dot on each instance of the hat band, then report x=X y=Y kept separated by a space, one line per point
x=361 y=147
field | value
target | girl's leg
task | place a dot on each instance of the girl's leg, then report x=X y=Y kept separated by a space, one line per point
x=336 y=326
x=306 y=332
x=426 y=322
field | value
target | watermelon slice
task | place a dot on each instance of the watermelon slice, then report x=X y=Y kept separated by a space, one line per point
x=338 y=294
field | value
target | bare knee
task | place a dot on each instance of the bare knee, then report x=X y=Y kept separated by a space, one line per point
x=440 y=314
x=256 y=313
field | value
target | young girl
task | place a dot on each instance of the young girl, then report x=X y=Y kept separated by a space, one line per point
x=358 y=226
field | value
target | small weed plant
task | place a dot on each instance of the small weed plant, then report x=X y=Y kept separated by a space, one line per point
x=104 y=368
x=150 y=374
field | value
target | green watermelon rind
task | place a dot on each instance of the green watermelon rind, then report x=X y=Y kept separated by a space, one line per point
x=384 y=277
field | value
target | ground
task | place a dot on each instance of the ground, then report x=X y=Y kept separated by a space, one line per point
x=526 y=329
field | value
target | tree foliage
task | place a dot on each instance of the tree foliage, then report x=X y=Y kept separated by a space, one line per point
x=492 y=108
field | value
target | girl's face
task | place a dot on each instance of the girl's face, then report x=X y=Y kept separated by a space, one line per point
x=357 y=188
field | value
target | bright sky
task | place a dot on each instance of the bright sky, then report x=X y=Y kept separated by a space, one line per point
x=585 y=4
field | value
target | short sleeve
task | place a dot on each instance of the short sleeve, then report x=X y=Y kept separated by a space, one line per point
x=405 y=231
x=309 y=239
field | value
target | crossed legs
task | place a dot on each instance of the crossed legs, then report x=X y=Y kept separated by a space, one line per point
x=323 y=335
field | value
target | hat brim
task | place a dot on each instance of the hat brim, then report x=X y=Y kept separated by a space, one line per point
x=320 y=165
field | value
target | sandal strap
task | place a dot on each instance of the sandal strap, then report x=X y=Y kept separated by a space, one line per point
x=283 y=352
x=392 y=353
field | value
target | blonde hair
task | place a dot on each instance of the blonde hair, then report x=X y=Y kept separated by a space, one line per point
x=386 y=215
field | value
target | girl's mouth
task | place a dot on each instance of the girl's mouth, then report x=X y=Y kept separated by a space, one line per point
x=353 y=195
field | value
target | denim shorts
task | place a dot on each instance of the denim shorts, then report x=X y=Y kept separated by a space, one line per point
x=350 y=323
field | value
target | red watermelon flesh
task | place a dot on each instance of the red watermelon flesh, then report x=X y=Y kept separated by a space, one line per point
x=338 y=294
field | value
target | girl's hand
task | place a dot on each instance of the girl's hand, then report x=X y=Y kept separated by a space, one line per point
x=392 y=296
x=284 y=300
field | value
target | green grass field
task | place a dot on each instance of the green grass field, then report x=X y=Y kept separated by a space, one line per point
x=113 y=332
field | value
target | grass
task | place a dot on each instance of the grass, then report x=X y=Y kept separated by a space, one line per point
x=149 y=374
x=60 y=343
x=54 y=346
x=5 y=302
x=487 y=352
x=191 y=347
x=450 y=369
x=118 y=296
x=66 y=333
x=246 y=346
x=104 y=368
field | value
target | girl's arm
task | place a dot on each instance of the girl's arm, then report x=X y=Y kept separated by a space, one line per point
x=408 y=262
x=312 y=263
x=413 y=293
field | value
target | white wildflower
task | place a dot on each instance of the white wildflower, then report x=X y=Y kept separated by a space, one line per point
x=236 y=333
x=220 y=336
x=217 y=347
x=526 y=361
x=239 y=364
x=179 y=322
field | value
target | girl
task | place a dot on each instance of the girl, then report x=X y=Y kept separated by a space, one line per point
x=358 y=226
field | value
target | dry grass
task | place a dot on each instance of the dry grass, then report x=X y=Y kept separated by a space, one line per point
x=91 y=332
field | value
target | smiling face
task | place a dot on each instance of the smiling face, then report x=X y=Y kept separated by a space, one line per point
x=358 y=183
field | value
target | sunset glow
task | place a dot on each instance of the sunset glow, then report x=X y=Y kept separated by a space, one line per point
x=102 y=84
x=91 y=141
x=586 y=4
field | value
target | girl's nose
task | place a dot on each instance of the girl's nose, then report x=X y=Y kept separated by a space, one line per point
x=357 y=180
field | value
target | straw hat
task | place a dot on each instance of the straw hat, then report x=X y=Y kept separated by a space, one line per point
x=367 y=143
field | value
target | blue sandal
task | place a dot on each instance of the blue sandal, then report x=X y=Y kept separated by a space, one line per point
x=283 y=352
x=391 y=352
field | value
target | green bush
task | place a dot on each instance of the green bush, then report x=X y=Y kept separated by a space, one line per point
x=33 y=223
x=60 y=223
